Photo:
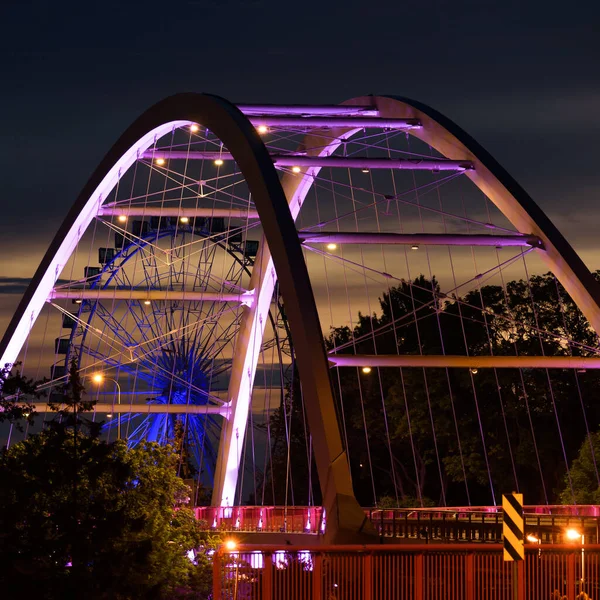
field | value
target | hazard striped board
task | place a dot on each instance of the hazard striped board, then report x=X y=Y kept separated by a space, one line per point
x=513 y=527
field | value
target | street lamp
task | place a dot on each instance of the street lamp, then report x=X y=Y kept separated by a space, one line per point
x=573 y=534
x=533 y=539
x=100 y=378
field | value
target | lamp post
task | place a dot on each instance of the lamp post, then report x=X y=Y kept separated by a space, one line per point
x=533 y=539
x=99 y=378
x=573 y=534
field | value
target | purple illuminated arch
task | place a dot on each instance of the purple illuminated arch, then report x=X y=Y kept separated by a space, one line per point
x=278 y=203
x=240 y=138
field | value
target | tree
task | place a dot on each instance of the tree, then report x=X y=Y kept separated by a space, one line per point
x=584 y=474
x=133 y=532
x=17 y=396
x=448 y=435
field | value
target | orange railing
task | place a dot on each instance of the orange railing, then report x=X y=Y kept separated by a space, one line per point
x=406 y=572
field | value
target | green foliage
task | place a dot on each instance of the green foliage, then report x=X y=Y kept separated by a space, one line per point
x=123 y=528
x=17 y=396
x=424 y=439
x=584 y=474
x=72 y=400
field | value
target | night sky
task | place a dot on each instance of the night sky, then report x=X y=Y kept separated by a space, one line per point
x=522 y=77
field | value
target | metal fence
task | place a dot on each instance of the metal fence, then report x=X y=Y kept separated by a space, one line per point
x=407 y=572
x=459 y=524
x=477 y=526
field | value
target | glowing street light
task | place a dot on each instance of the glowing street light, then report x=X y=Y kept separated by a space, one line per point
x=573 y=535
x=122 y=218
x=366 y=370
x=331 y=246
x=218 y=162
x=533 y=539
x=295 y=169
x=194 y=127
x=99 y=378
x=160 y=162
x=262 y=129
x=230 y=545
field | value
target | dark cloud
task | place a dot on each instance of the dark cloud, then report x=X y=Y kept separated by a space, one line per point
x=521 y=77
x=18 y=285
x=13 y=285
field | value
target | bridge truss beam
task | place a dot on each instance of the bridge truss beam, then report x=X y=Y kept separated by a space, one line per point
x=471 y=362
x=342 y=162
x=416 y=239
x=108 y=295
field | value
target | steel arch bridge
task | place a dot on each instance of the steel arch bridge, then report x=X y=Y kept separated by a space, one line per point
x=201 y=215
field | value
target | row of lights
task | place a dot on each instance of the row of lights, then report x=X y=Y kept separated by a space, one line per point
x=195 y=128
x=123 y=219
x=219 y=162
x=262 y=129
x=334 y=246
x=570 y=534
x=79 y=301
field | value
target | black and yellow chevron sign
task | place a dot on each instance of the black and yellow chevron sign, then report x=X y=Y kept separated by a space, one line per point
x=513 y=527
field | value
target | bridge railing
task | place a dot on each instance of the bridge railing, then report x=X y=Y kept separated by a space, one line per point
x=460 y=524
x=276 y=519
x=407 y=572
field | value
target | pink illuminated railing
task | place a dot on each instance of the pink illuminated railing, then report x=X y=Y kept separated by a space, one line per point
x=278 y=519
x=464 y=524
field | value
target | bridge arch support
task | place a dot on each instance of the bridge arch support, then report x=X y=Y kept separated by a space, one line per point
x=237 y=134
x=280 y=260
